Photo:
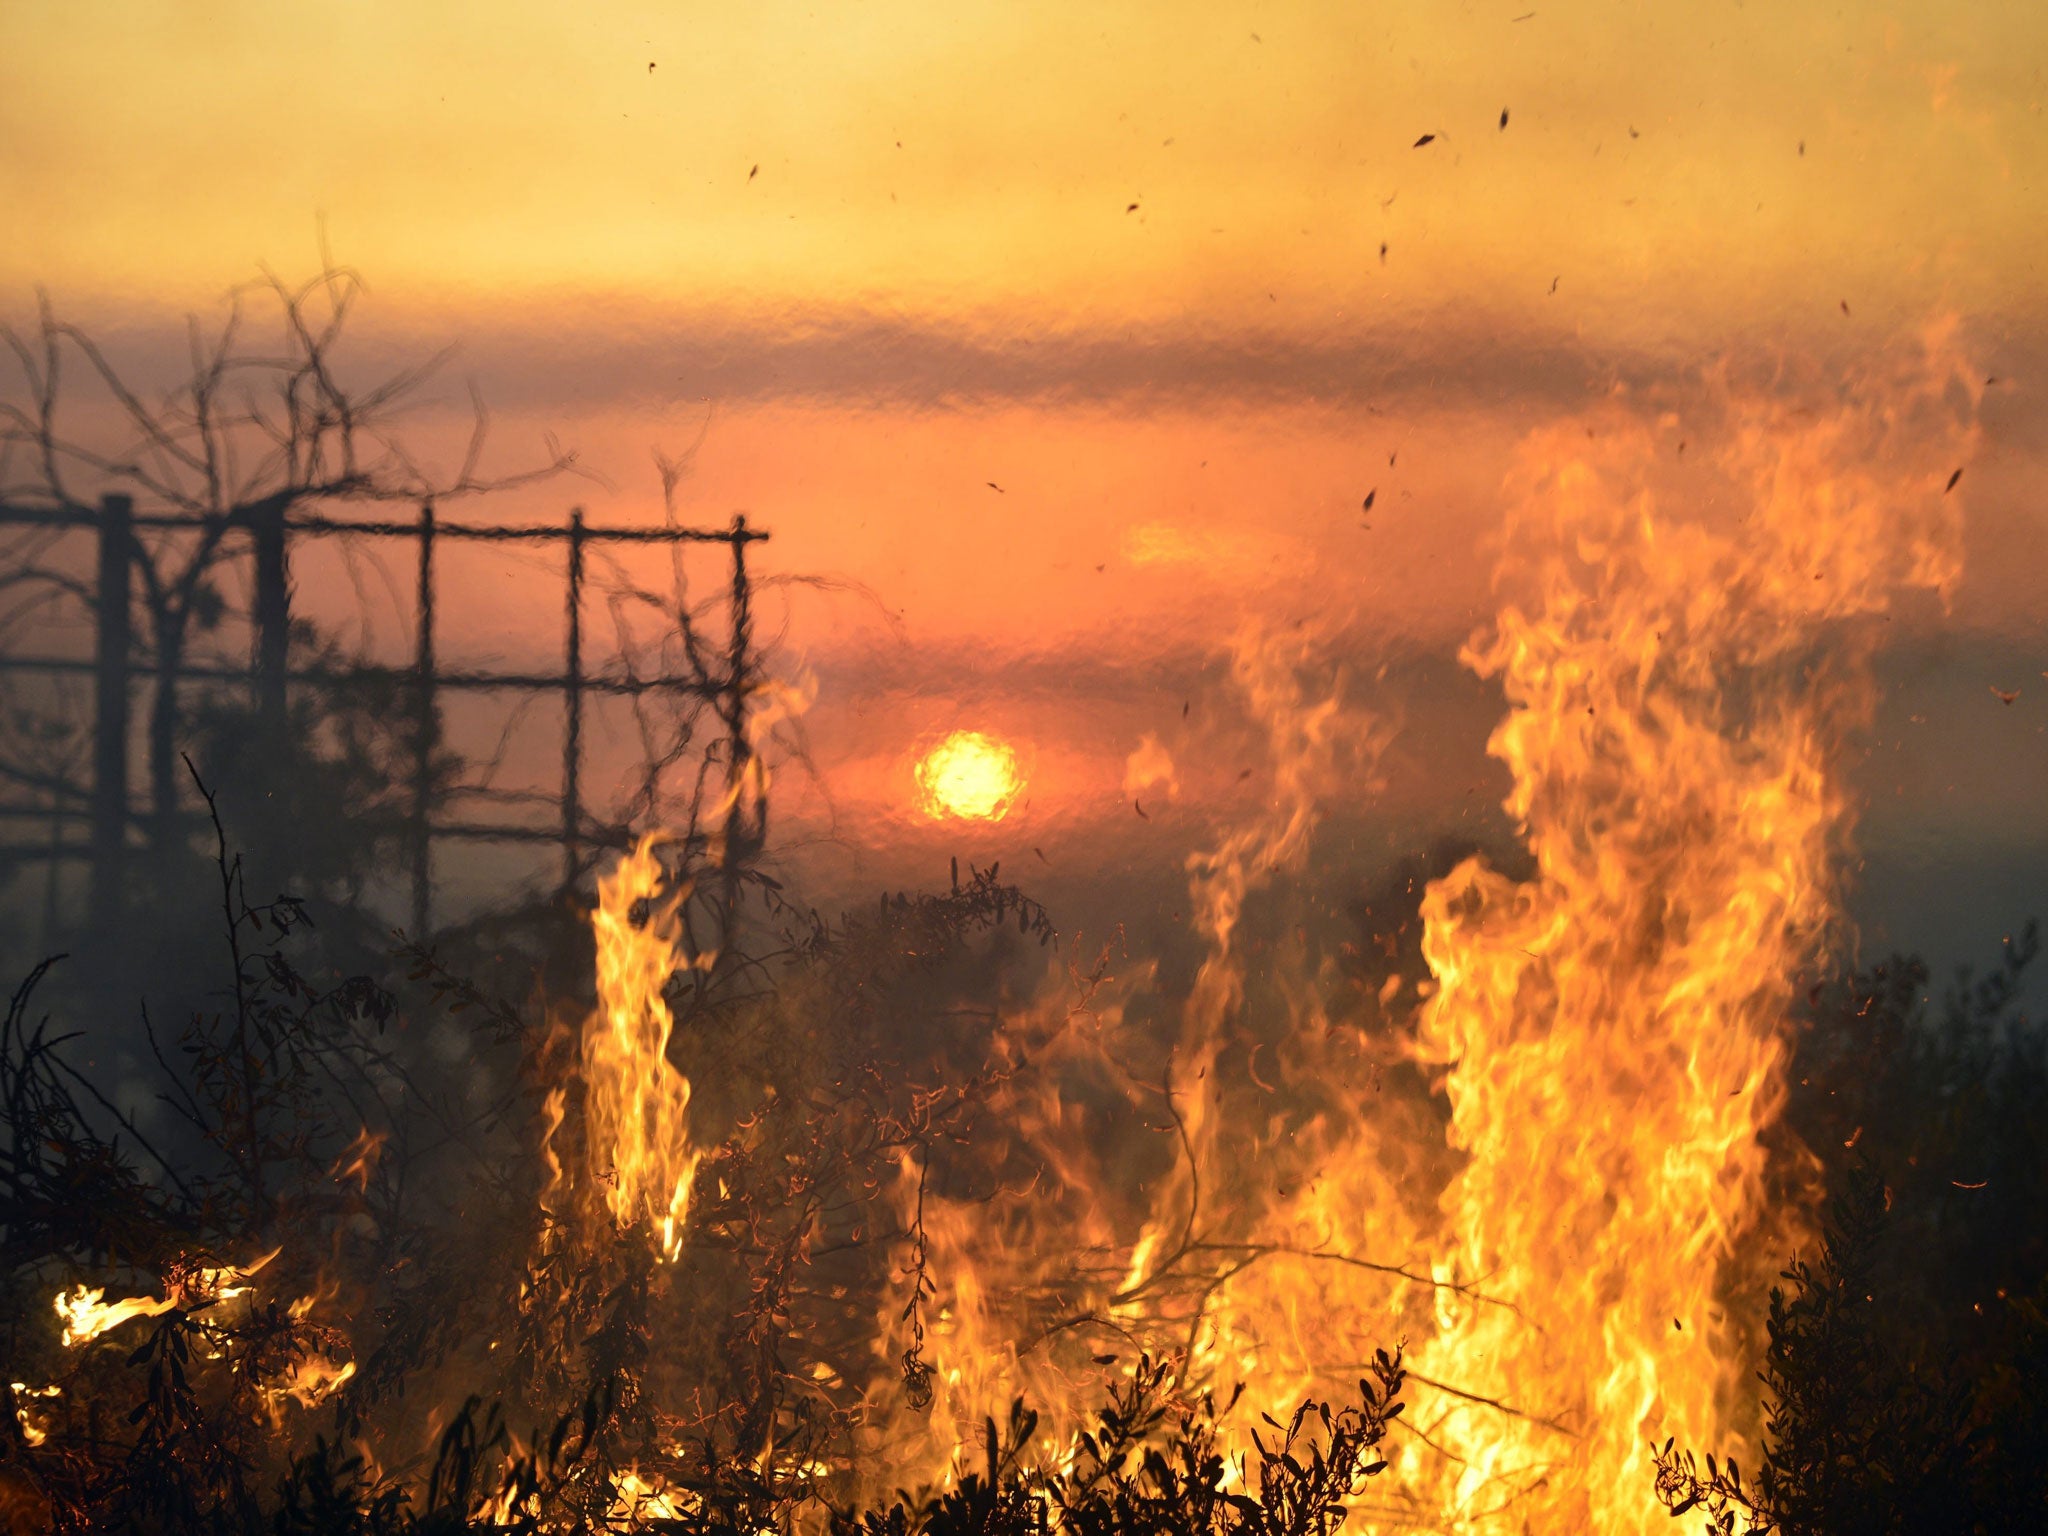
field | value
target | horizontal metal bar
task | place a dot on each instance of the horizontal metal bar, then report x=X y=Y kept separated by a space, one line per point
x=52 y=664
x=56 y=517
x=474 y=682
x=483 y=682
x=52 y=517
x=490 y=533
x=513 y=832
x=142 y=817
x=454 y=831
x=38 y=517
x=138 y=816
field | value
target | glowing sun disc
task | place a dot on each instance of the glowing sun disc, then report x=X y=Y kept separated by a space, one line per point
x=968 y=775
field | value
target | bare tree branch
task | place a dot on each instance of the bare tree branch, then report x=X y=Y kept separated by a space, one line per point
x=251 y=434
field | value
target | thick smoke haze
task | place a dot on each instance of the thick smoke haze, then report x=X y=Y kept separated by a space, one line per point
x=1062 y=346
x=1477 y=571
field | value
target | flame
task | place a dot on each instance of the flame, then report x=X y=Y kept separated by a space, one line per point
x=218 y=1284
x=510 y=1505
x=33 y=1431
x=638 y=1104
x=312 y=1381
x=86 y=1313
x=1615 y=1025
x=358 y=1160
x=635 y=1499
x=554 y=1107
x=1050 y=1290
x=1571 y=1235
x=1566 y=1235
x=970 y=776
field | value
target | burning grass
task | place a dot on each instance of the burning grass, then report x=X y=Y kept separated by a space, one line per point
x=758 y=1235
x=584 y=1320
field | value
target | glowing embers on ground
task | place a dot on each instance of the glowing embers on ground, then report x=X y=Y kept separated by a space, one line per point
x=971 y=776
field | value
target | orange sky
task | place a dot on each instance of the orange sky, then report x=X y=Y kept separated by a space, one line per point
x=980 y=159
x=803 y=208
x=1175 y=276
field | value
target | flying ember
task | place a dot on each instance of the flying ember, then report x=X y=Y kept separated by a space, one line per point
x=968 y=775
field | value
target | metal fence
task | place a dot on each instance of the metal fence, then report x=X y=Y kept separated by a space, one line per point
x=103 y=804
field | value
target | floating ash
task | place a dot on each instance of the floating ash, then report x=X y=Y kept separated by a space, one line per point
x=930 y=1197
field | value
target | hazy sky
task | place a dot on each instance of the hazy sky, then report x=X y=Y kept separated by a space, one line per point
x=982 y=205
x=977 y=162
x=1178 y=277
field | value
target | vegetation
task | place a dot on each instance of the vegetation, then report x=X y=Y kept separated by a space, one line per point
x=1151 y=1467
x=268 y=421
x=1906 y=1375
x=374 y=1146
x=342 y=1230
x=1151 y=1464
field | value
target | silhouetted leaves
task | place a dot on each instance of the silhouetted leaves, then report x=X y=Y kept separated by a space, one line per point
x=1906 y=1376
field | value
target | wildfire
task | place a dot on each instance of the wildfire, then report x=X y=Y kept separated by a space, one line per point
x=86 y=1313
x=1569 y=1254
x=312 y=1381
x=1563 y=1215
x=33 y=1432
x=970 y=776
x=1614 y=1026
x=637 y=1102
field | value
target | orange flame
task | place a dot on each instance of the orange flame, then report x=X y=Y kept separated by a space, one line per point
x=86 y=1313
x=638 y=1104
x=1679 y=697
x=1570 y=1251
x=636 y=1499
x=33 y=1431
x=312 y=1381
x=358 y=1160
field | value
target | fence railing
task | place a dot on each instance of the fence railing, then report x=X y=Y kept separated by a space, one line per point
x=104 y=804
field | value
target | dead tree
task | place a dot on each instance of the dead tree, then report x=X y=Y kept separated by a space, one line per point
x=258 y=428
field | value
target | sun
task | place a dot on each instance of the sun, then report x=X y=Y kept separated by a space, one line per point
x=968 y=775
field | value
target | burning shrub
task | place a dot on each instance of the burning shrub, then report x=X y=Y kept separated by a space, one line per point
x=485 y=1235
x=1153 y=1464
x=753 y=1232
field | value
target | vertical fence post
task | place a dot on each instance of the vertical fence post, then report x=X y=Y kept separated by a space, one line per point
x=572 y=705
x=273 y=626
x=113 y=640
x=733 y=706
x=425 y=734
